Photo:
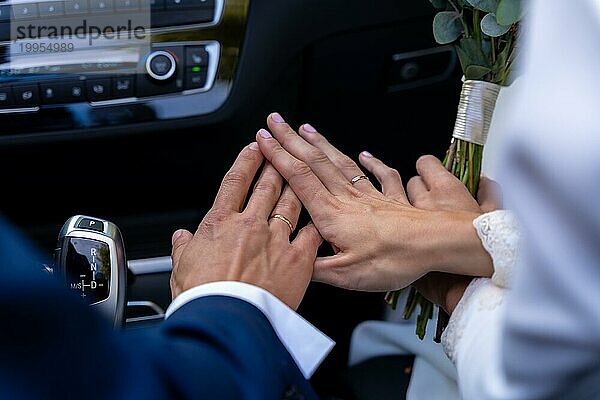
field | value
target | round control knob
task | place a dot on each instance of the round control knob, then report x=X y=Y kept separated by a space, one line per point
x=161 y=65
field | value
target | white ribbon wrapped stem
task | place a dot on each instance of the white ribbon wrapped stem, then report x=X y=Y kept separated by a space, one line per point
x=475 y=111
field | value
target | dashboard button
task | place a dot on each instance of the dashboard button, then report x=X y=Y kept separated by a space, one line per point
x=50 y=93
x=196 y=56
x=6 y=97
x=73 y=7
x=175 y=4
x=161 y=65
x=72 y=92
x=98 y=89
x=195 y=77
x=27 y=96
x=127 y=5
x=91 y=224
x=51 y=8
x=101 y=6
x=123 y=87
x=25 y=11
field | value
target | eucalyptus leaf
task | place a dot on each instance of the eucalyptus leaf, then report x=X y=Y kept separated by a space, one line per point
x=476 y=72
x=491 y=27
x=447 y=27
x=439 y=4
x=489 y=6
x=470 y=53
x=509 y=12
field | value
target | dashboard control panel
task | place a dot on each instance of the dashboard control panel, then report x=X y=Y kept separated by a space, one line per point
x=171 y=68
x=182 y=64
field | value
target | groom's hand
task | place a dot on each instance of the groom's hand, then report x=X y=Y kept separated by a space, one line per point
x=245 y=244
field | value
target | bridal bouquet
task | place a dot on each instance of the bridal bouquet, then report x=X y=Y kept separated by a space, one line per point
x=484 y=33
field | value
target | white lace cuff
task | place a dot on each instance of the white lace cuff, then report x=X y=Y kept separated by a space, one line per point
x=500 y=234
x=481 y=297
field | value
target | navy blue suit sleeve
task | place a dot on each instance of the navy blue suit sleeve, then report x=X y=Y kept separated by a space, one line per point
x=53 y=347
x=230 y=349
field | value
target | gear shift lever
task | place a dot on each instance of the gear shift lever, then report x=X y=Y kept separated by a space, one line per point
x=91 y=258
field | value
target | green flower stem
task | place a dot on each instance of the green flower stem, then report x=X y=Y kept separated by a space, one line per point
x=442 y=323
x=392 y=298
x=476 y=25
x=424 y=316
x=414 y=298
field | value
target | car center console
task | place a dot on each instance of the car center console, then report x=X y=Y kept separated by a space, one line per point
x=183 y=68
x=173 y=68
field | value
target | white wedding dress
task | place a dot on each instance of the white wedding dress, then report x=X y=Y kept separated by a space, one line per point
x=434 y=376
x=533 y=330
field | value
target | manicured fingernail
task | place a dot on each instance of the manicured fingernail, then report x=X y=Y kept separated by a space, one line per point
x=176 y=236
x=254 y=146
x=265 y=134
x=309 y=128
x=277 y=118
x=367 y=154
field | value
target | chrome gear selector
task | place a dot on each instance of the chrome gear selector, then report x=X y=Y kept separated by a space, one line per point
x=90 y=258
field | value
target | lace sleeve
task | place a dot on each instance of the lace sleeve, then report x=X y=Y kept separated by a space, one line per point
x=481 y=298
x=499 y=232
x=500 y=235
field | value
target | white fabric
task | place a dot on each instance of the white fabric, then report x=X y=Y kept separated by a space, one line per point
x=427 y=383
x=378 y=338
x=492 y=154
x=433 y=375
x=307 y=345
x=481 y=296
x=501 y=237
x=539 y=340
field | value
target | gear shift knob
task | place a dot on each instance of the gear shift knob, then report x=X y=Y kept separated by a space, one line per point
x=91 y=259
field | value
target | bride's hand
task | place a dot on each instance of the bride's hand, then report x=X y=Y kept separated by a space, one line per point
x=437 y=189
x=383 y=242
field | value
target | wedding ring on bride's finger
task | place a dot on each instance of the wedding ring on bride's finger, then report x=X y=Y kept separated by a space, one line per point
x=359 y=178
x=284 y=219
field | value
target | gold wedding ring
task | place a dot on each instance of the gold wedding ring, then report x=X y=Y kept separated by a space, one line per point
x=284 y=219
x=359 y=178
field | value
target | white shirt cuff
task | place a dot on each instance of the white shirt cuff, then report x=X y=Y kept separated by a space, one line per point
x=307 y=345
